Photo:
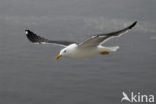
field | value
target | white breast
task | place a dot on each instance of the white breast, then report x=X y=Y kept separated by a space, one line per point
x=76 y=52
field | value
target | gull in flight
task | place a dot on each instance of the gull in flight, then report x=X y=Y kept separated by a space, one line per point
x=90 y=47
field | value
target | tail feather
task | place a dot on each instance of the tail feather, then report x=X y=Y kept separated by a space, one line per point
x=109 y=49
x=115 y=48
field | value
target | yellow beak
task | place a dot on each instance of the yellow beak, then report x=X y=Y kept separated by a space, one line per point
x=58 y=56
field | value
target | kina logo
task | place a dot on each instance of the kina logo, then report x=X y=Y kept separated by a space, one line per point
x=137 y=97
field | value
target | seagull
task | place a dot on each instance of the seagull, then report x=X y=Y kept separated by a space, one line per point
x=90 y=47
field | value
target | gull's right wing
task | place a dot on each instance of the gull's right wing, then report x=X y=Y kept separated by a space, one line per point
x=38 y=39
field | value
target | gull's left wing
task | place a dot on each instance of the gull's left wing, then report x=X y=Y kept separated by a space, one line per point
x=38 y=39
x=101 y=38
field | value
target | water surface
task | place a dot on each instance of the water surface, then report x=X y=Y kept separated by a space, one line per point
x=29 y=74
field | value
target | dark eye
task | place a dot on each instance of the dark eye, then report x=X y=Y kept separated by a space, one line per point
x=64 y=51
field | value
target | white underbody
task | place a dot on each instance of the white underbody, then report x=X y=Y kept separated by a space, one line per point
x=75 y=52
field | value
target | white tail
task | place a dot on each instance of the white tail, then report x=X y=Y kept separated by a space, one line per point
x=109 y=49
x=115 y=48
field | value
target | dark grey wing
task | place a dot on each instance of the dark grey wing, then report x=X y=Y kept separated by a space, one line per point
x=101 y=38
x=37 y=39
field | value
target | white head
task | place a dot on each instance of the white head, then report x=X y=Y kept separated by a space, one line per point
x=67 y=51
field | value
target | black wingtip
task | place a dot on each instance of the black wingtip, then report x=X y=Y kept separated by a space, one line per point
x=31 y=36
x=131 y=26
x=27 y=31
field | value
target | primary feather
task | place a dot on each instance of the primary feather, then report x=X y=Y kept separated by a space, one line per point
x=38 y=39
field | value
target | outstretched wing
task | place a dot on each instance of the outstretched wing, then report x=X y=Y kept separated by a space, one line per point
x=101 y=38
x=37 y=39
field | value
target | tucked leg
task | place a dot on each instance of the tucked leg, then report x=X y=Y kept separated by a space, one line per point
x=104 y=53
